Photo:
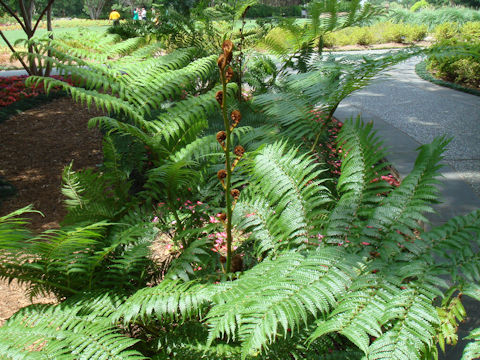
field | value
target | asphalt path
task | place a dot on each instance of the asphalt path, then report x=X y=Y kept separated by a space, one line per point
x=408 y=112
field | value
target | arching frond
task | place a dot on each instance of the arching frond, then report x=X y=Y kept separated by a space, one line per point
x=286 y=205
x=472 y=350
x=260 y=306
x=66 y=331
x=402 y=211
x=169 y=300
x=357 y=186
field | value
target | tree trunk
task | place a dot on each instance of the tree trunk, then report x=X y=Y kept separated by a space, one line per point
x=33 y=64
x=48 y=68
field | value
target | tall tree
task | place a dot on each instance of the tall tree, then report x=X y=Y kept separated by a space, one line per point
x=32 y=64
x=94 y=8
x=67 y=8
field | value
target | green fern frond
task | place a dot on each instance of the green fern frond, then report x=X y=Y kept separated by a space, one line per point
x=12 y=227
x=171 y=300
x=452 y=248
x=279 y=296
x=361 y=313
x=181 y=267
x=292 y=191
x=171 y=178
x=472 y=350
x=104 y=102
x=126 y=47
x=404 y=208
x=65 y=331
x=71 y=187
x=413 y=332
x=357 y=186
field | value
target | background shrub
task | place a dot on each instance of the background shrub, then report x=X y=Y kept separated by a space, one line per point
x=263 y=10
x=415 y=33
x=459 y=64
x=422 y=4
x=377 y=34
x=445 y=31
x=395 y=33
x=470 y=31
x=364 y=36
x=467 y=71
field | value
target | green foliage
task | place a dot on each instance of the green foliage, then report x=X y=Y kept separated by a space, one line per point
x=68 y=261
x=433 y=17
x=264 y=11
x=270 y=201
x=457 y=61
x=470 y=31
x=422 y=4
x=76 y=328
x=295 y=42
x=445 y=31
x=379 y=33
x=472 y=350
x=333 y=268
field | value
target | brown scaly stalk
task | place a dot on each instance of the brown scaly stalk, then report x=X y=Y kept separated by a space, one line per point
x=240 y=56
x=225 y=141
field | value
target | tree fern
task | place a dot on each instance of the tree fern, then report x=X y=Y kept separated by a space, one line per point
x=361 y=313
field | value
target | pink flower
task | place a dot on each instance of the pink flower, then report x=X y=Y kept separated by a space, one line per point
x=213 y=220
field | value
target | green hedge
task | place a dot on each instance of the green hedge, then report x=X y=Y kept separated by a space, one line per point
x=421 y=70
x=377 y=34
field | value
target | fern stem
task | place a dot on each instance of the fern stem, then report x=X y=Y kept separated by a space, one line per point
x=324 y=126
x=228 y=180
x=177 y=219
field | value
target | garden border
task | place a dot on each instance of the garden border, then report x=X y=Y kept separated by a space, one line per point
x=421 y=71
x=22 y=105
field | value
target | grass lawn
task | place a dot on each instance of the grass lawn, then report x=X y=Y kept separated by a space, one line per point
x=14 y=35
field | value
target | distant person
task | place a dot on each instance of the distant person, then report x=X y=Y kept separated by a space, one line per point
x=143 y=14
x=135 y=14
x=115 y=16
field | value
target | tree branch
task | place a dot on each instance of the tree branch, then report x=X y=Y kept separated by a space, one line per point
x=26 y=19
x=11 y=12
x=50 y=2
x=15 y=52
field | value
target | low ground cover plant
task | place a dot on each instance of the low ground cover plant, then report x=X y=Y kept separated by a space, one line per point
x=13 y=89
x=461 y=62
x=308 y=263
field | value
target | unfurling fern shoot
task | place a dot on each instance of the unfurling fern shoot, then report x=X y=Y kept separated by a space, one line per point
x=224 y=139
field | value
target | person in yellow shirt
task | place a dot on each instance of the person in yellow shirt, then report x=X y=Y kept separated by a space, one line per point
x=115 y=16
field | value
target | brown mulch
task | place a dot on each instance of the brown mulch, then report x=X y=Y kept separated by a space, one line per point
x=35 y=146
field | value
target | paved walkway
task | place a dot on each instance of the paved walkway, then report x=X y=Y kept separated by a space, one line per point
x=408 y=112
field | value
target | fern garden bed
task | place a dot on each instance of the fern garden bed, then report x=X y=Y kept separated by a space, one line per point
x=284 y=244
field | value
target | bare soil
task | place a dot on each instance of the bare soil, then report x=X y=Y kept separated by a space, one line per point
x=35 y=146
